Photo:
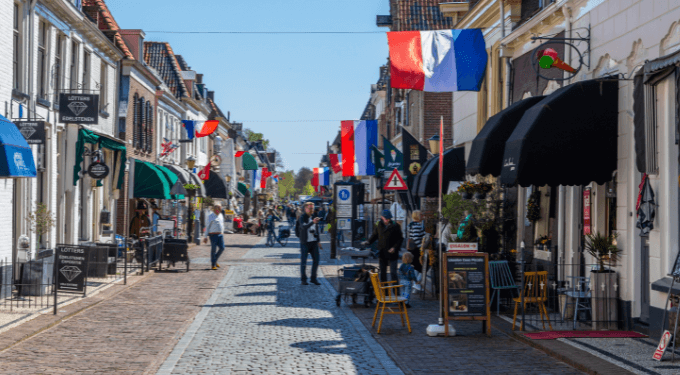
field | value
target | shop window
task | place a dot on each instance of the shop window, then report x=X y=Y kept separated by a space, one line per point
x=103 y=86
x=43 y=37
x=73 y=68
x=58 y=60
x=87 y=57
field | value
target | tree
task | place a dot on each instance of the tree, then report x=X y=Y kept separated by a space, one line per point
x=303 y=176
x=308 y=189
x=287 y=184
x=251 y=136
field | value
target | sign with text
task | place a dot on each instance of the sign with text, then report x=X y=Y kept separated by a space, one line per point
x=33 y=131
x=466 y=286
x=586 y=211
x=98 y=170
x=344 y=211
x=71 y=268
x=79 y=108
x=463 y=247
x=663 y=344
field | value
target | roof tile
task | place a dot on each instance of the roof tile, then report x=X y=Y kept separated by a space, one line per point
x=415 y=15
x=159 y=55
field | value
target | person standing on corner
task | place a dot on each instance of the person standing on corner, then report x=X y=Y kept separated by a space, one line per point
x=215 y=231
x=307 y=229
x=388 y=234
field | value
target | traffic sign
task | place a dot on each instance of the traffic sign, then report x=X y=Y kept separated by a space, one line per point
x=395 y=182
x=344 y=195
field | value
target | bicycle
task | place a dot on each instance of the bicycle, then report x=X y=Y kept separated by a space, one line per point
x=270 y=237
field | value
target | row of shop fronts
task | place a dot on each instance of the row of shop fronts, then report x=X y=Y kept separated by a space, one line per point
x=94 y=102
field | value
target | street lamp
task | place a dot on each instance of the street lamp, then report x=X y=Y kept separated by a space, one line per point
x=191 y=162
x=434 y=144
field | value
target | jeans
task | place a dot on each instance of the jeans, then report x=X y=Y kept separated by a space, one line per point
x=383 y=269
x=406 y=289
x=313 y=249
x=216 y=241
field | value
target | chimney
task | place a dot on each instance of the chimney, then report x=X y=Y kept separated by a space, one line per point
x=211 y=95
x=228 y=115
x=199 y=78
x=134 y=39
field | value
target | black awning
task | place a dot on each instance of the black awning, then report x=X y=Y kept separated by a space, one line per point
x=216 y=186
x=568 y=138
x=427 y=181
x=486 y=155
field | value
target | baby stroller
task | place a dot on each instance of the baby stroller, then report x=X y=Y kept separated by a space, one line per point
x=355 y=281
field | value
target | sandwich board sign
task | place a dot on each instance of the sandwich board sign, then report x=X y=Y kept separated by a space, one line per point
x=395 y=182
x=71 y=268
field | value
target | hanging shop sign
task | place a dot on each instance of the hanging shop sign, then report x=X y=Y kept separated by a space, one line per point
x=467 y=288
x=33 y=131
x=586 y=212
x=98 y=170
x=71 y=268
x=545 y=57
x=79 y=108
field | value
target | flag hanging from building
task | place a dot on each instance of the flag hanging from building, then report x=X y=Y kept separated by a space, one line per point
x=336 y=162
x=315 y=177
x=394 y=159
x=189 y=125
x=265 y=175
x=168 y=147
x=357 y=139
x=415 y=155
x=437 y=61
x=324 y=176
x=208 y=128
x=378 y=161
x=256 y=179
x=204 y=174
x=239 y=154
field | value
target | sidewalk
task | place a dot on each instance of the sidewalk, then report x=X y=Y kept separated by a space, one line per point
x=124 y=330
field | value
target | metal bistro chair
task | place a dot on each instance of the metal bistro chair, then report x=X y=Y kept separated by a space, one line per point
x=387 y=294
x=580 y=292
x=501 y=278
x=536 y=292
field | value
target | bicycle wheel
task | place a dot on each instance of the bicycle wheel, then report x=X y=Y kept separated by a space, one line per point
x=284 y=242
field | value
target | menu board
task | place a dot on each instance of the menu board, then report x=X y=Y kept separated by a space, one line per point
x=466 y=281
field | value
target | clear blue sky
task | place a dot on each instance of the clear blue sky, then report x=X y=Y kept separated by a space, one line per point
x=275 y=77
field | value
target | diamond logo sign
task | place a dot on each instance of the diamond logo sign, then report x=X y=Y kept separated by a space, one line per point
x=70 y=272
x=77 y=107
x=27 y=132
x=33 y=131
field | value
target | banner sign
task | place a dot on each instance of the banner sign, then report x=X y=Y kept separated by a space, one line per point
x=79 y=108
x=586 y=211
x=98 y=170
x=71 y=268
x=33 y=131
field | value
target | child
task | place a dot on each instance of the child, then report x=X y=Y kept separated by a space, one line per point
x=407 y=274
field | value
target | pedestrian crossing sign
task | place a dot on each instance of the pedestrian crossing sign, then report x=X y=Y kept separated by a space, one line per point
x=395 y=181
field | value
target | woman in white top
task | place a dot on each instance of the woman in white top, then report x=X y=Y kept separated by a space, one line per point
x=215 y=229
x=416 y=231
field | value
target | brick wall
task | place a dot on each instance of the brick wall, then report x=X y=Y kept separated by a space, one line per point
x=435 y=105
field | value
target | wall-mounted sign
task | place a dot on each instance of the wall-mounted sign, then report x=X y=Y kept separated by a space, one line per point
x=33 y=131
x=71 y=268
x=586 y=211
x=98 y=170
x=79 y=108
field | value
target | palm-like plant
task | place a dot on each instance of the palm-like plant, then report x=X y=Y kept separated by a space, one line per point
x=600 y=246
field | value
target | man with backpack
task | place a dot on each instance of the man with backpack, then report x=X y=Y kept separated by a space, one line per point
x=307 y=230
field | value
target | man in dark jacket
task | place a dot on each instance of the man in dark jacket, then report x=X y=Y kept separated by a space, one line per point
x=307 y=230
x=388 y=234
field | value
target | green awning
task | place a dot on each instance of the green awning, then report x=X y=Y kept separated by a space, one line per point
x=118 y=167
x=151 y=182
x=249 y=163
x=243 y=189
x=173 y=179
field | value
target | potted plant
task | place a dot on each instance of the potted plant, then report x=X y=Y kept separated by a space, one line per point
x=481 y=189
x=466 y=189
x=543 y=242
x=533 y=207
x=603 y=281
x=40 y=221
x=191 y=189
x=36 y=272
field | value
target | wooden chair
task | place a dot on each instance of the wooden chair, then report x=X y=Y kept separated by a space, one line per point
x=388 y=295
x=536 y=292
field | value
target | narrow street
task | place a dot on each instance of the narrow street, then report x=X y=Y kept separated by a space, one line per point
x=253 y=316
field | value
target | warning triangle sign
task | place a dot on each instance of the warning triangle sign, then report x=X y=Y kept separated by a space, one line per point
x=395 y=182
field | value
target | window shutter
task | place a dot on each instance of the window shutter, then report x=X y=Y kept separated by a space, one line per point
x=135 y=121
x=142 y=124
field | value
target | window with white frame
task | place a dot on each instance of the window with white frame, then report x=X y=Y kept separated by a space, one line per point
x=87 y=59
x=58 y=61
x=103 y=86
x=16 y=48
x=73 y=67
x=43 y=76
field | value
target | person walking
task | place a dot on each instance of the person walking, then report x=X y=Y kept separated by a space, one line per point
x=215 y=231
x=272 y=217
x=416 y=231
x=389 y=236
x=307 y=230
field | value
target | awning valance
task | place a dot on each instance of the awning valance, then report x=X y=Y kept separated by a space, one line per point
x=426 y=183
x=216 y=186
x=150 y=182
x=486 y=155
x=568 y=138
x=118 y=147
x=16 y=158
x=243 y=189
x=186 y=177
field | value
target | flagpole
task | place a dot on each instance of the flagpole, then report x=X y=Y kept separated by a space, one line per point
x=439 y=223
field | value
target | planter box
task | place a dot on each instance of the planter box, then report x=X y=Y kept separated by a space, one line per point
x=543 y=255
x=604 y=300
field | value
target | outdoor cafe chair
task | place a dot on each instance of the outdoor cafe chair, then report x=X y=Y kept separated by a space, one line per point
x=501 y=278
x=388 y=295
x=535 y=291
x=580 y=293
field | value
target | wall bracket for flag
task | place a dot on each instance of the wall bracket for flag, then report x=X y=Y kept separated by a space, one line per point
x=572 y=43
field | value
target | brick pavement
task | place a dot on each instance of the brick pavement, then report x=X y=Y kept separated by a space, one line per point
x=130 y=333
